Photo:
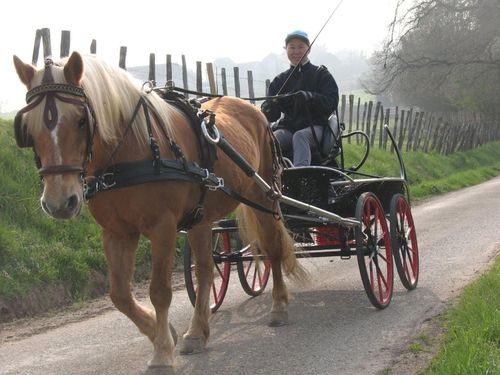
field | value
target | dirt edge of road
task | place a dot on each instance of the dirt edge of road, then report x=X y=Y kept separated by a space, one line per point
x=21 y=328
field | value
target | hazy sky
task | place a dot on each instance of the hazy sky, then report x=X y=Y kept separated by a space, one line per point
x=201 y=30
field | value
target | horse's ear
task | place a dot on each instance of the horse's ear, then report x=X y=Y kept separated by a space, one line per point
x=26 y=72
x=73 y=70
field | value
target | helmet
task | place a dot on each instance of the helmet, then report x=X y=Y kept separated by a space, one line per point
x=297 y=34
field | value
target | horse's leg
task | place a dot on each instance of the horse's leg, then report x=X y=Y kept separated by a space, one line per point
x=163 y=250
x=274 y=240
x=120 y=254
x=200 y=240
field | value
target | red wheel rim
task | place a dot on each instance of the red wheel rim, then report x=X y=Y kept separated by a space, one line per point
x=375 y=253
x=407 y=243
x=220 y=244
x=254 y=274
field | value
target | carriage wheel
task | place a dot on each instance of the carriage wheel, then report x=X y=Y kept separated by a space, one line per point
x=253 y=274
x=404 y=241
x=220 y=245
x=373 y=248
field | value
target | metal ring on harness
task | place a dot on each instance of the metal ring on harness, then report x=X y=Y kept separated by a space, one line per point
x=148 y=86
x=213 y=140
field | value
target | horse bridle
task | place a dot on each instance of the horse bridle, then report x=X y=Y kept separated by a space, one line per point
x=51 y=91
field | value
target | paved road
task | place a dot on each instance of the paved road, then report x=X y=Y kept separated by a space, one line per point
x=333 y=330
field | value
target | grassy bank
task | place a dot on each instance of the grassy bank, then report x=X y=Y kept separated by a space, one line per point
x=472 y=338
x=44 y=262
x=39 y=255
x=430 y=173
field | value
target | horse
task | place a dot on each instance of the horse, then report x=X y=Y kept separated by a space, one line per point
x=82 y=115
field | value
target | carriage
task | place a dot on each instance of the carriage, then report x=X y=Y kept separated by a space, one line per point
x=101 y=138
x=334 y=211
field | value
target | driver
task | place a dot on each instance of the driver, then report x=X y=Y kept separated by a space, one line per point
x=313 y=96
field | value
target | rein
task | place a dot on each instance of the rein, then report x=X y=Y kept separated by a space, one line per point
x=169 y=87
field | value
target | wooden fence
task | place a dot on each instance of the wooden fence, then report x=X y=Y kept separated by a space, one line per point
x=413 y=129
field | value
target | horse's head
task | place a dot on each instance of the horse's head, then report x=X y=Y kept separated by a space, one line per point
x=59 y=126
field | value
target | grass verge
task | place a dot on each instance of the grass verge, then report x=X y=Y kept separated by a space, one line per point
x=472 y=330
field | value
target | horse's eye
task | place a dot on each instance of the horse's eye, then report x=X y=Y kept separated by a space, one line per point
x=82 y=122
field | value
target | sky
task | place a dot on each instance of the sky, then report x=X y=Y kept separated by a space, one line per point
x=201 y=30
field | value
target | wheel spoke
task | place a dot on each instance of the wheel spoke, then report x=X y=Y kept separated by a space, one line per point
x=383 y=257
x=380 y=291
x=249 y=267
x=219 y=271
x=214 y=291
x=259 y=272
x=381 y=275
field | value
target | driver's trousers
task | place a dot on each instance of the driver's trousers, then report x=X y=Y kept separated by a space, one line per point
x=301 y=142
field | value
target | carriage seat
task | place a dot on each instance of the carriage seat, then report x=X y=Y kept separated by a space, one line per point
x=330 y=144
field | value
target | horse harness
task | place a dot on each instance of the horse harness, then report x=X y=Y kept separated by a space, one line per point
x=51 y=91
x=121 y=175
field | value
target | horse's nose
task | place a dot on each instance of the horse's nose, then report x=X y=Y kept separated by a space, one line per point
x=63 y=209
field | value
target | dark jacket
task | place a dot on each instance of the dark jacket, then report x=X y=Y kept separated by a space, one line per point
x=324 y=97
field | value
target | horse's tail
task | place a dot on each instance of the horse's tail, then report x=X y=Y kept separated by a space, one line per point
x=270 y=236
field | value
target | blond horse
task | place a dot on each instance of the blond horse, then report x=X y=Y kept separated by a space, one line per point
x=63 y=135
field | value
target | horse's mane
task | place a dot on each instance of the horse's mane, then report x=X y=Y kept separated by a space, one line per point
x=113 y=94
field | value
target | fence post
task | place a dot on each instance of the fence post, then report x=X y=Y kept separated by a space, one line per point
x=386 y=121
x=47 y=47
x=428 y=132
x=396 y=118
x=375 y=120
x=168 y=68
x=381 y=129
x=224 y=81
x=236 y=81
x=351 y=107
x=93 y=47
x=211 y=78
x=436 y=133
x=357 y=113
x=36 y=46
x=418 y=132
x=408 y=127
x=401 y=131
x=251 y=93
x=65 y=43
x=152 y=68
x=342 y=109
x=184 y=76
x=199 y=78
x=123 y=57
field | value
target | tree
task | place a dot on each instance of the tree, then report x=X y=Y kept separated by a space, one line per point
x=441 y=55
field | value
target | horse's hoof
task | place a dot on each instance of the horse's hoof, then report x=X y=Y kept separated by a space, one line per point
x=173 y=332
x=278 y=319
x=192 y=345
x=161 y=363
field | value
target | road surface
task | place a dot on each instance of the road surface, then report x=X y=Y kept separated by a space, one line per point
x=333 y=327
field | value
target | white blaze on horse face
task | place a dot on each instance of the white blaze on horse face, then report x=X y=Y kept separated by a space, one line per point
x=55 y=139
x=56 y=150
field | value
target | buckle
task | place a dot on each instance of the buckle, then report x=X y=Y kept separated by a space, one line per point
x=101 y=181
x=212 y=182
x=220 y=184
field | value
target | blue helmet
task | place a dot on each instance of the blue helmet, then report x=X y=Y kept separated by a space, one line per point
x=297 y=34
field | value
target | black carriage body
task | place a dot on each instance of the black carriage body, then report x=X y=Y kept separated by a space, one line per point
x=333 y=191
